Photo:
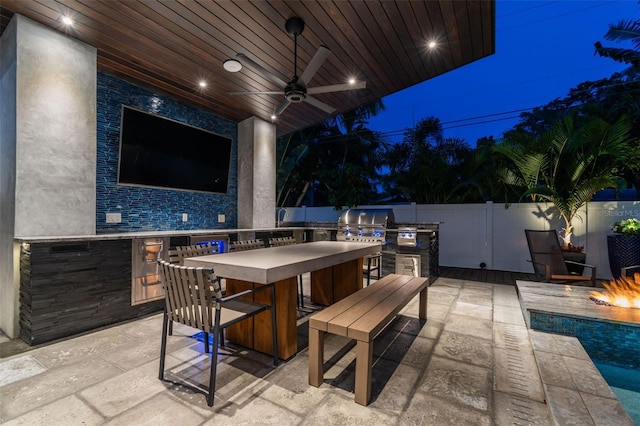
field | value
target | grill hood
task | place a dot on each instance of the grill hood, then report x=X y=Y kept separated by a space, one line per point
x=364 y=224
x=367 y=217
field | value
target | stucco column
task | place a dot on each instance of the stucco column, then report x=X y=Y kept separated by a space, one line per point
x=47 y=142
x=256 y=173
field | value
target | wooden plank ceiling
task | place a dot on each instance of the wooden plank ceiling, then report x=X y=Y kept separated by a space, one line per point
x=169 y=46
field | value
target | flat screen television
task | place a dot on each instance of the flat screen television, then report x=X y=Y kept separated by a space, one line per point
x=164 y=153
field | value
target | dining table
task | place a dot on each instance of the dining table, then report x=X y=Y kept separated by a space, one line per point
x=336 y=272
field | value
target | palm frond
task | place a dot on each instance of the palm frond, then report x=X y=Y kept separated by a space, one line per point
x=626 y=56
x=623 y=30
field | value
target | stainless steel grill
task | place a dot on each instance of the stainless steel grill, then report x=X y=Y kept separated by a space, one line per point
x=364 y=225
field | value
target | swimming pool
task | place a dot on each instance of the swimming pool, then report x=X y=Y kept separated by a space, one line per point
x=625 y=383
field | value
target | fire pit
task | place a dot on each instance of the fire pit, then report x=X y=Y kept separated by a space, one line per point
x=623 y=292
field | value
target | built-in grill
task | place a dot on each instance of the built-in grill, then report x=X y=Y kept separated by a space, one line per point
x=364 y=225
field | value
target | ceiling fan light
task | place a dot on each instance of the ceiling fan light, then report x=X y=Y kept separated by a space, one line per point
x=232 y=65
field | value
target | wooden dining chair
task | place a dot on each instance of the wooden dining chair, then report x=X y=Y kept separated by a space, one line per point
x=287 y=241
x=193 y=297
x=177 y=255
x=547 y=260
x=246 y=245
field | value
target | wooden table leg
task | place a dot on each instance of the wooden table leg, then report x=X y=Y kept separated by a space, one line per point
x=255 y=332
x=242 y=332
x=334 y=283
x=316 y=357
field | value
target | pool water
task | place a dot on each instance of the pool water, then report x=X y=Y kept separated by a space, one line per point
x=625 y=383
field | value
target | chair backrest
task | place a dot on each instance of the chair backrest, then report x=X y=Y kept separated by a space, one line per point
x=281 y=241
x=191 y=294
x=246 y=245
x=544 y=248
x=177 y=256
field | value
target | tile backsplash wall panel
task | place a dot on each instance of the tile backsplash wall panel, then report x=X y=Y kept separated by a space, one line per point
x=153 y=209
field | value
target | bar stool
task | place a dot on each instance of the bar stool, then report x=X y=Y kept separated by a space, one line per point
x=374 y=263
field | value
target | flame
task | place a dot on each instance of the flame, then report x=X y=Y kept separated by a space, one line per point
x=623 y=292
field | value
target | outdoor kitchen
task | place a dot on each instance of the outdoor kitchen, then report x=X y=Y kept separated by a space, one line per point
x=407 y=248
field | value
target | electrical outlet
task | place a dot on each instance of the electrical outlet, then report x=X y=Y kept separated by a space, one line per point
x=114 y=217
x=221 y=218
x=185 y=217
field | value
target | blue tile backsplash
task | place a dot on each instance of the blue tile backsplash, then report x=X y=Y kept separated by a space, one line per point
x=153 y=209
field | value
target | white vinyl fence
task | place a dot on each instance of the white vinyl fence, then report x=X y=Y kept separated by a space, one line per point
x=474 y=233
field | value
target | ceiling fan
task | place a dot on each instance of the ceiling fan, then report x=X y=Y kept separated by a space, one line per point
x=296 y=90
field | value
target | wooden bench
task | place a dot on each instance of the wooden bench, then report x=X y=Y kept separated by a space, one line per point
x=361 y=316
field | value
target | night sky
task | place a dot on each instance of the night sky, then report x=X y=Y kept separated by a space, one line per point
x=543 y=49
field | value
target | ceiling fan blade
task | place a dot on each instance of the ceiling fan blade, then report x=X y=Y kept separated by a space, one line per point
x=320 y=105
x=272 y=92
x=282 y=107
x=336 y=88
x=314 y=65
x=244 y=60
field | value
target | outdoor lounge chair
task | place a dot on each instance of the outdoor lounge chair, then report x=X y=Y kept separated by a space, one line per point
x=629 y=271
x=193 y=297
x=547 y=260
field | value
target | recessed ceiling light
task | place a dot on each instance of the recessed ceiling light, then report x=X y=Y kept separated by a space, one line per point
x=352 y=81
x=67 y=21
x=432 y=44
x=273 y=116
x=232 y=65
x=202 y=84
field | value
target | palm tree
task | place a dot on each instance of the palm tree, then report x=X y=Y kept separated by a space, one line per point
x=567 y=165
x=332 y=163
x=428 y=168
x=622 y=31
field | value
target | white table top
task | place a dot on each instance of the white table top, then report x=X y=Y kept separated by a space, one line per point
x=273 y=264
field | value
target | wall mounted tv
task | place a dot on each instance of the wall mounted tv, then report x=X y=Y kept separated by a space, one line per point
x=164 y=153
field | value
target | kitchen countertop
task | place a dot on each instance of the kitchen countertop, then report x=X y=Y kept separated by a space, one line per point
x=161 y=234
x=144 y=234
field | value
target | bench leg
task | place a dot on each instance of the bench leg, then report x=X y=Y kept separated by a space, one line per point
x=364 y=358
x=316 y=356
x=422 y=313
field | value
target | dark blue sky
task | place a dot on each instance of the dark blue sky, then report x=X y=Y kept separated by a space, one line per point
x=543 y=49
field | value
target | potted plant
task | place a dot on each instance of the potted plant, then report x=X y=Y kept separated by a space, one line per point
x=624 y=245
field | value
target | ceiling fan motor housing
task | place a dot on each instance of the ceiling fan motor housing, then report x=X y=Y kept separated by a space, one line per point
x=295 y=92
x=294 y=26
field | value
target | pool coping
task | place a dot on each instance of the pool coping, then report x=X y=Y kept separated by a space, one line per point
x=575 y=391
